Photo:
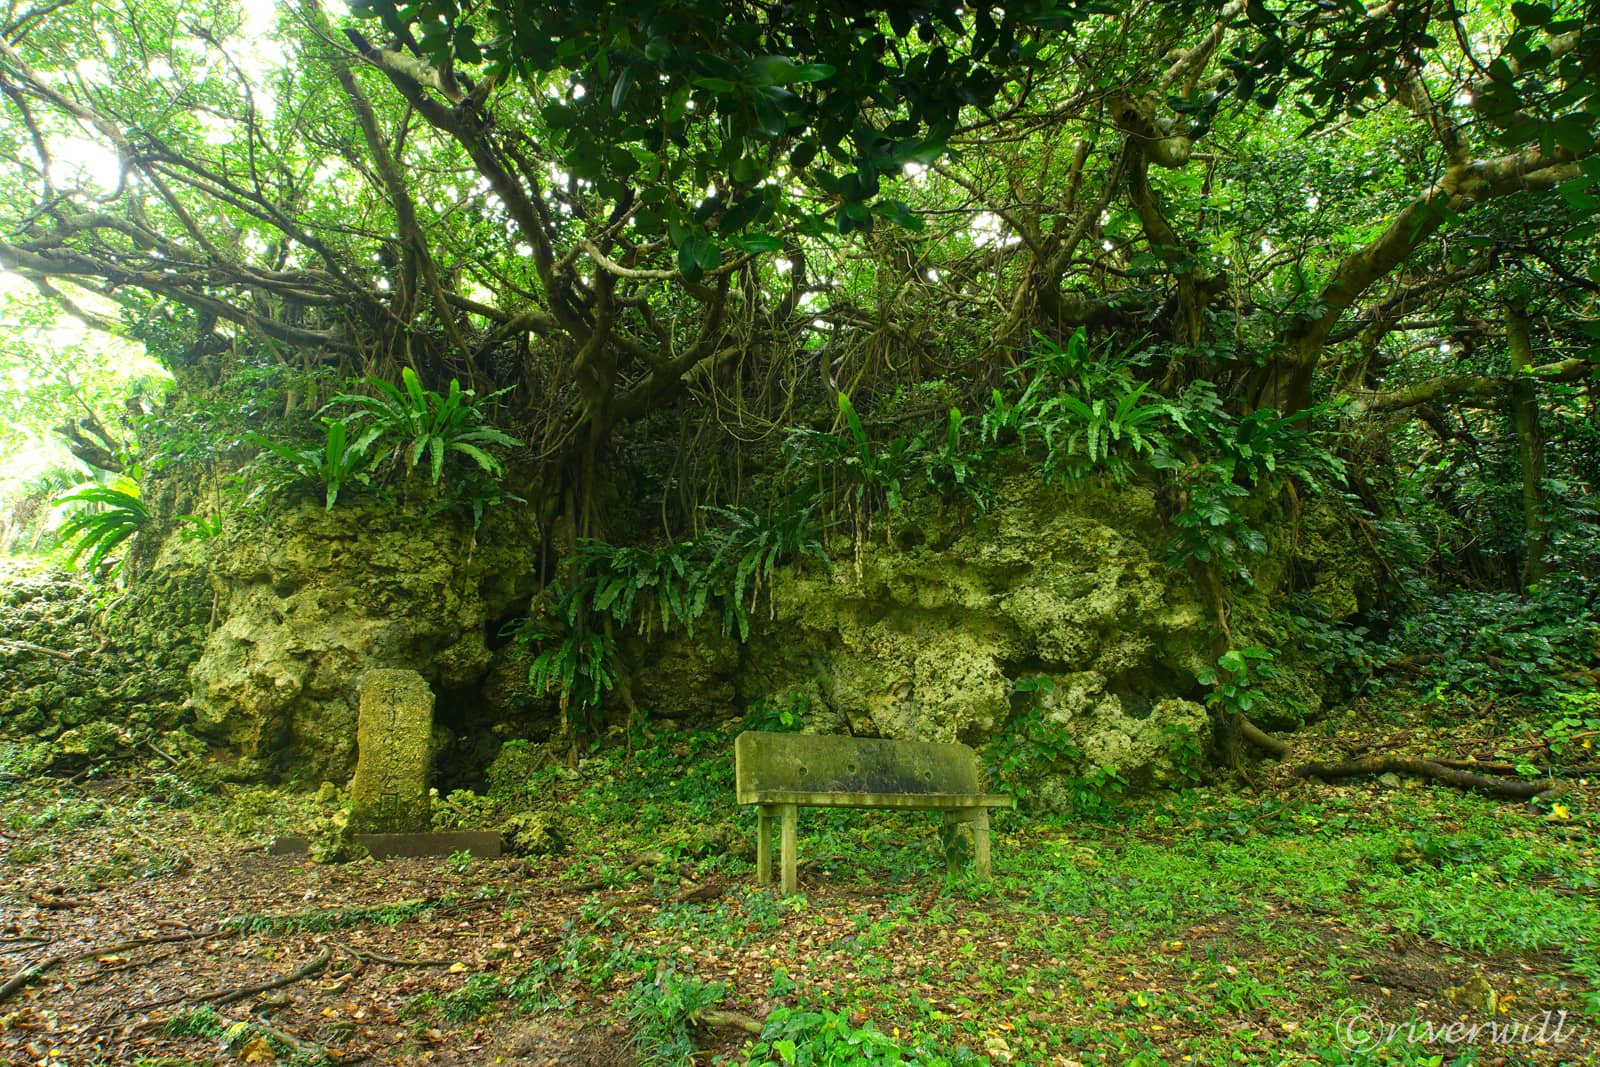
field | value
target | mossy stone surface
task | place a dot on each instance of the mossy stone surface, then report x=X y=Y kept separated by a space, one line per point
x=311 y=600
x=390 y=791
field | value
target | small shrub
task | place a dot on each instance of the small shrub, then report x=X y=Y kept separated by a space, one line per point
x=462 y=809
x=794 y=1037
x=1479 y=643
x=662 y=1009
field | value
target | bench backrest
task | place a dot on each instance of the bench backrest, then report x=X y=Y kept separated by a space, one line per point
x=828 y=763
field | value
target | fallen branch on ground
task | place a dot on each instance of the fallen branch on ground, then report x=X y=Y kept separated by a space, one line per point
x=1426 y=768
x=717 y=1017
x=34 y=970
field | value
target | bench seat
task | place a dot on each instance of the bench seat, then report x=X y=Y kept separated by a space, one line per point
x=782 y=773
x=909 y=801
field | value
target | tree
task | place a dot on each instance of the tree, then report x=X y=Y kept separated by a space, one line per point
x=608 y=208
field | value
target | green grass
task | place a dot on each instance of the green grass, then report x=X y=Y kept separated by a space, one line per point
x=319 y=920
x=199 y=1022
x=1201 y=927
x=1207 y=925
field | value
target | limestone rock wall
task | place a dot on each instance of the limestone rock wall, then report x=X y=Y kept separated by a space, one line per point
x=84 y=674
x=1056 y=608
x=311 y=600
x=927 y=636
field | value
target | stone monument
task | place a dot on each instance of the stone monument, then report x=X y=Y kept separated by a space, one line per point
x=390 y=791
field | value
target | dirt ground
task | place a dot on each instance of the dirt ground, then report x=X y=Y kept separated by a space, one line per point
x=145 y=938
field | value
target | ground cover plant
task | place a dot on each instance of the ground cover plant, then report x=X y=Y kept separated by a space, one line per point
x=1302 y=923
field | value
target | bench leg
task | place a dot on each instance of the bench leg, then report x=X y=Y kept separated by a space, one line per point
x=764 y=846
x=952 y=840
x=980 y=842
x=789 y=819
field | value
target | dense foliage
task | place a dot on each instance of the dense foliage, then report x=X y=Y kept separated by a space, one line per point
x=778 y=267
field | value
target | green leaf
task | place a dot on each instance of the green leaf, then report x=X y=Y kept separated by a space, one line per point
x=619 y=91
x=696 y=256
x=489 y=464
x=814 y=72
x=899 y=213
x=1575 y=132
x=436 y=454
x=756 y=243
x=926 y=152
x=1532 y=14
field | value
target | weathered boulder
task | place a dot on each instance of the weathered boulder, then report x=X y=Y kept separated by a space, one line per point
x=80 y=680
x=533 y=833
x=389 y=793
x=926 y=632
x=1140 y=744
x=311 y=600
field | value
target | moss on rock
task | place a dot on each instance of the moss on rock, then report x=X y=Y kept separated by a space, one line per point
x=313 y=599
x=927 y=639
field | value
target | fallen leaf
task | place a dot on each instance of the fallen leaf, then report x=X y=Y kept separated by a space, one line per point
x=257 y=1050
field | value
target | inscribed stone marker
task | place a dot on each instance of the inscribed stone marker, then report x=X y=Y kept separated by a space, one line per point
x=390 y=790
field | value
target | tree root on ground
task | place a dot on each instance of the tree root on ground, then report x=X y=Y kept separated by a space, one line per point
x=393 y=961
x=312 y=966
x=1575 y=771
x=28 y=974
x=304 y=1050
x=1261 y=739
x=1426 y=768
x=34 y=970
x=315 y=965
x=649 y=858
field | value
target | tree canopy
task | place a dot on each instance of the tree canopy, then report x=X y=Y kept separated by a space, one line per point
x=609 y=209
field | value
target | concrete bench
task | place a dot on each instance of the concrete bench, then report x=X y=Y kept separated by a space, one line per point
x=782 y=773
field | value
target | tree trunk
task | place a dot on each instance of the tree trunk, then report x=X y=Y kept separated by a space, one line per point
x=1530 y=446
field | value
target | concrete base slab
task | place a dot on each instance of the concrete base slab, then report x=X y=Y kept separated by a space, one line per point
x=481 y=844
